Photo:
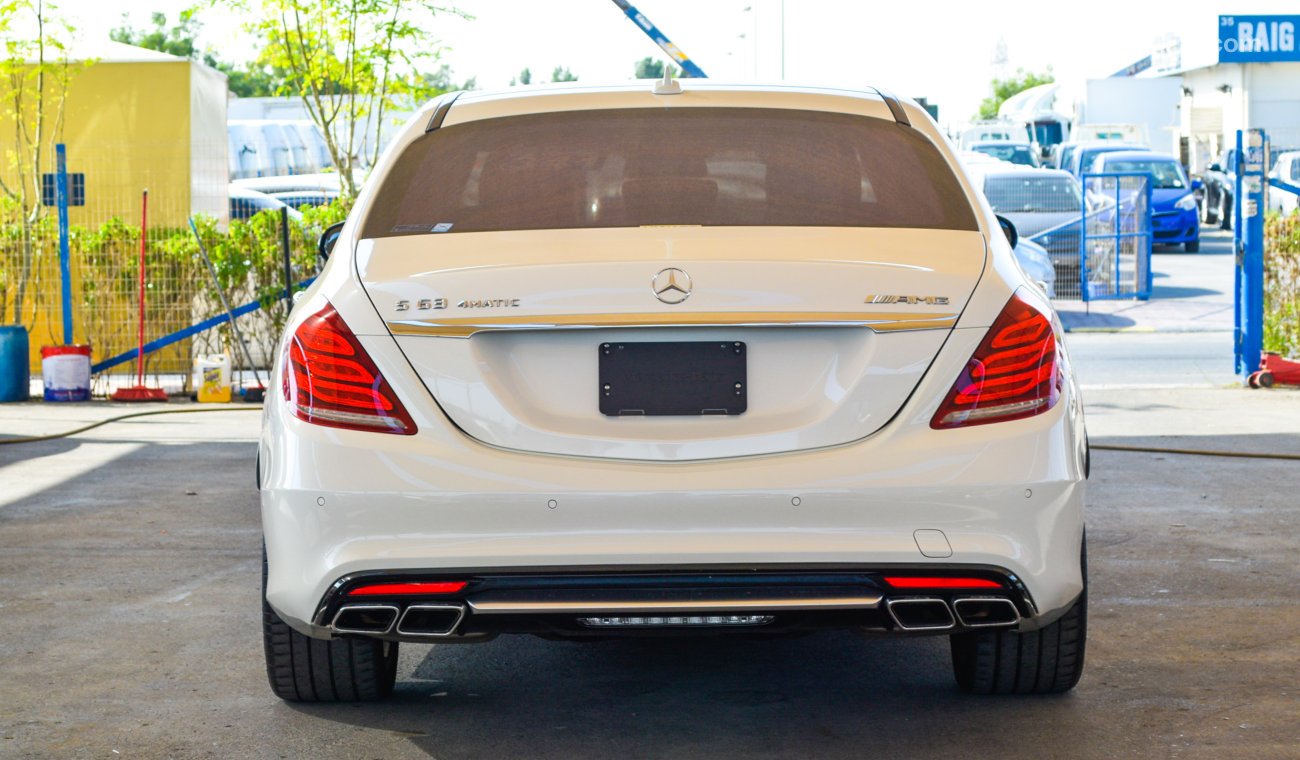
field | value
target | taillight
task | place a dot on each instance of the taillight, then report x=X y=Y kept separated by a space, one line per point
x=329 y=379
x=420 y=588
x=942 y=582
x=1013 y=374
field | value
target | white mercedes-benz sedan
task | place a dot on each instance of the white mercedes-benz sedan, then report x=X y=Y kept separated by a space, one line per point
x=671 y=359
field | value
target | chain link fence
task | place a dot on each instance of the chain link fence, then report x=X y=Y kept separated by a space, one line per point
x=1282 y=247
x=1046 y=207
x=104 y=255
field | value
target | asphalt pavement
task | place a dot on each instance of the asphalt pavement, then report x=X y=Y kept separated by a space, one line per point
x=1190 y=292
x=130 y=558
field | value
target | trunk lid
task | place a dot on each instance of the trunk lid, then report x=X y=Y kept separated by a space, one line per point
x=838 y=324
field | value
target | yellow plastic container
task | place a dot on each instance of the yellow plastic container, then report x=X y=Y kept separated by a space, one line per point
x=212 y=378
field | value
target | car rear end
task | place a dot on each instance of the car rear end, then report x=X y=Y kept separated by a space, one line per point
x=600 y=361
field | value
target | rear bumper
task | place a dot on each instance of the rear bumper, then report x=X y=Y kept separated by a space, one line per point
x=1006 y=496
x=588 y=603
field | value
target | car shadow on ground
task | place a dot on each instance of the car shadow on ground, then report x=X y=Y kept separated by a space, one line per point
x=1166 y=291
x=823 y=695
x=1073 y=320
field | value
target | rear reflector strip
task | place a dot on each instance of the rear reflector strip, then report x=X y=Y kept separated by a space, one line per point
x=430 y=588
x=684 y=620
x=934 y=583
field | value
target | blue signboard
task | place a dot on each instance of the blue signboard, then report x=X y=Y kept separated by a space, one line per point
x=1256 y=39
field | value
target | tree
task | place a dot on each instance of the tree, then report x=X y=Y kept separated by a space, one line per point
x=178 y=41
x=34 y=78
x=1004 y=88
x=525 y=77
x=440 y=80
x=652 y=68
x=248 y=81
x=562 y=74
x=350 y=63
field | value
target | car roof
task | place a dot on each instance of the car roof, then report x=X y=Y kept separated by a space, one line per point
x=239 y=191
x=1023 y=173
x=1138 y=155
x=640 y=93
x=1111 y=146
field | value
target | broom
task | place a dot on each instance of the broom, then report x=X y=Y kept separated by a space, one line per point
x=139 y=392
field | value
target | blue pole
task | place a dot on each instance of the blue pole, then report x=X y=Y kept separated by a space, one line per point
x=1251 y=179
x=644 y=24
x=65 y=268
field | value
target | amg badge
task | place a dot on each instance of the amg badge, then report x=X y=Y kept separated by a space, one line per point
x=928 y=300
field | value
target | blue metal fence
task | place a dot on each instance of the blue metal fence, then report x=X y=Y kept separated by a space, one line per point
x=1116 y=239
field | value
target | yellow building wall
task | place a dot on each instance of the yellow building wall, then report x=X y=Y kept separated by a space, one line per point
x=127 y=127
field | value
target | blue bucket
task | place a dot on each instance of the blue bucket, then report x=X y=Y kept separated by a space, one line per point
x=15 y=376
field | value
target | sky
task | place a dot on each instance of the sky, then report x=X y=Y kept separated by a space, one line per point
x=938 y=49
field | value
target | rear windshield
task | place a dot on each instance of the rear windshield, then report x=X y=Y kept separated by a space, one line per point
x=688 y=166
x=1016 y=154
x=1015 y=195
x=1164 y=174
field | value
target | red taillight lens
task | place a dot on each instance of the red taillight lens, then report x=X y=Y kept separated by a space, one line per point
x=912 y=582
x=419 y=588
x=330 y=380
x=1013 y=374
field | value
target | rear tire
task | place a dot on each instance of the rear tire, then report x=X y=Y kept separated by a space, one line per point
x=303 y=669
x=1266 y=379
x=1046 y=661
x=1225 y=212
x=1192 y=246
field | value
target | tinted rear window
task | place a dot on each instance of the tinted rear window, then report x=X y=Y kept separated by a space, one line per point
x=1017 y=195
x=689 y=166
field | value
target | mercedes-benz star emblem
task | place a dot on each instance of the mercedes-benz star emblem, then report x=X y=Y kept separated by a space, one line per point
x=671 y=285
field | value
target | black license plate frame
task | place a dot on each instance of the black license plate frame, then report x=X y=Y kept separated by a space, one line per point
x=673 y=378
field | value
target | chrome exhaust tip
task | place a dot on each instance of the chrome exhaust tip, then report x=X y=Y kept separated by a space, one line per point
x=373 y=619
x=919 y=613
x=985 y=611
x=431 y=619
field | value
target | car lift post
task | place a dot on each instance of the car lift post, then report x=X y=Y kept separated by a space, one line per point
x=1248 y=244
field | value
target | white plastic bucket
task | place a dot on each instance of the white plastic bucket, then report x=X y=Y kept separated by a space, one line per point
x=66 y=372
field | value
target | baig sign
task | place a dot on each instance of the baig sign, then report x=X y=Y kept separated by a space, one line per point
x=1252 y=39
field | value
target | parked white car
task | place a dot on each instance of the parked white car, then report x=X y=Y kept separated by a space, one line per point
x=692 y=358
x=1286 y=169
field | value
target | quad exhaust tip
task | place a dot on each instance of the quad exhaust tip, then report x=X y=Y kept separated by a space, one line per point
x=431 y=619
x=365 y=618
x=920 y=613
x=986 y=612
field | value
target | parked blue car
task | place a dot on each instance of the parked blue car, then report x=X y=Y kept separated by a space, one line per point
x=1175 y=217
x=1084 y=157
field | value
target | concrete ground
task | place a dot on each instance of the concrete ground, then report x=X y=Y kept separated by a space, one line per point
x=1190 y=292
x=129 y=622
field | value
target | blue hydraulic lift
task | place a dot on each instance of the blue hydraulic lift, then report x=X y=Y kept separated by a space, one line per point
x=688 y=66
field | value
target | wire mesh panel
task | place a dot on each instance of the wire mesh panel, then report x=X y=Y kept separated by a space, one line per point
x=1282 y=244
x=1044 y=207
x=1117 y=236
x=106 y=212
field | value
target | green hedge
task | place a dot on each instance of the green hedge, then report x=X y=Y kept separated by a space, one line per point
x=1282 y=284
x=105 y=259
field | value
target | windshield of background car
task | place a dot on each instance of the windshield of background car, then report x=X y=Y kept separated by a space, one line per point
x=1164 y=174
x=1042 y=195
x=1088 y=158
x=1016 y=154
x=1047 y=132
x=659 y=166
